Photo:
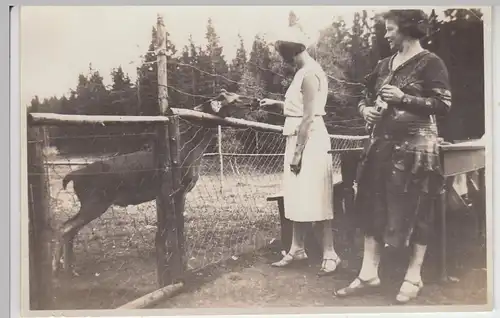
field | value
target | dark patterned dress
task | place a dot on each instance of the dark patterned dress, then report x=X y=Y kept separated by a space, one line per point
x=399 y=175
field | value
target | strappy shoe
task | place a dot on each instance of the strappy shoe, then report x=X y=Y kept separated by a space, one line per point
x=324 y=271
x=290 y=258
x=362 y=287
x=409 y=293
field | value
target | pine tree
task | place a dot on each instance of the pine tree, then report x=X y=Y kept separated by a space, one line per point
x=217 y=64
x=123 y=94
x=238 y=66
x=35 y=105
x=258 y=76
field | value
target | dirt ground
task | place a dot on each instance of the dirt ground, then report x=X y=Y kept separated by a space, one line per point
x=251 y=282
x=116 y=263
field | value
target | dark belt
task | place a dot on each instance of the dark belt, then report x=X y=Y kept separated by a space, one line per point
x=412 y=130
x=303 y=116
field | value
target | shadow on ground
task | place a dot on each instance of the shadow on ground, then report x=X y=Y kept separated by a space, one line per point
x=250 y=282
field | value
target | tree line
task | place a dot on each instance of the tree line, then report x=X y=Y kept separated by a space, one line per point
x=197 y=72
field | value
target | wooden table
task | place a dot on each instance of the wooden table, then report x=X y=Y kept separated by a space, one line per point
x=461 y=158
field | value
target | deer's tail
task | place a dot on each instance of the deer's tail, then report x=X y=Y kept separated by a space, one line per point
x=67 y=179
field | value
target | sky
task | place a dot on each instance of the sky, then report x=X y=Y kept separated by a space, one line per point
x=58 y=42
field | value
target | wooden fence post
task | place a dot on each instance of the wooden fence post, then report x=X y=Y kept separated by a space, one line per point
x=167 y=237
x=163 y=204
x=178 y=196
x=40 y=223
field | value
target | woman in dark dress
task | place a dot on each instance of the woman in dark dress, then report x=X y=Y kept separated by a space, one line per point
x=399 y=175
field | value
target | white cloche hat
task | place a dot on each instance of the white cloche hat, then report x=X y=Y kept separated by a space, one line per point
x=294 y=33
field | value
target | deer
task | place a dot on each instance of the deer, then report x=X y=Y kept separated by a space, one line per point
x=133 y=178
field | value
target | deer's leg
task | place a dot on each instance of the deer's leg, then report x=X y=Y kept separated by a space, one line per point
x=89 y=211
x=59 y=247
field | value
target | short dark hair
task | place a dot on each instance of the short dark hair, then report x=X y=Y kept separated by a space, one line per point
x=289 y=49
x=412 y=23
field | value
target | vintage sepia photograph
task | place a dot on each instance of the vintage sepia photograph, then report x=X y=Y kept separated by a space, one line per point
x=266 y=158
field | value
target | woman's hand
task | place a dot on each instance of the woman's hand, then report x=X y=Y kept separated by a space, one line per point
x=268 y=102
x=372 y=115
x=391 y=94
x=296 y=163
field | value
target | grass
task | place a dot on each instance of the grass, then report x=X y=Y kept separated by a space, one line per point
x=115 y=254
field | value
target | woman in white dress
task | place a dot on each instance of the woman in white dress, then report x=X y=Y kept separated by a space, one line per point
x=308 y=171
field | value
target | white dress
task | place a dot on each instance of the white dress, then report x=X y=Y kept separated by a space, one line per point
x=308 y=196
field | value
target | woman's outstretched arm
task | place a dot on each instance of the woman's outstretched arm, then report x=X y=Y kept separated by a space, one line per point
x=272 y=102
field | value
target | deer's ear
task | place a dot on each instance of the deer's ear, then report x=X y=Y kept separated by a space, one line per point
x=199 y=108
x=216 y=106
x=222 y=95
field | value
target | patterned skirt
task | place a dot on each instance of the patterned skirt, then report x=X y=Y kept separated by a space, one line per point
x=399 y=181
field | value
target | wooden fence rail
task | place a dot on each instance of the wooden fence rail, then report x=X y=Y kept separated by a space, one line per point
x=50 y=119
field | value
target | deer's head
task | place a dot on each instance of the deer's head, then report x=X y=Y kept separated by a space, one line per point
x=228 y=104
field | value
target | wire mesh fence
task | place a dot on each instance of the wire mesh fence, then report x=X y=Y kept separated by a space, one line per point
x=227 y=173
x=226 y=213
x=114 y=254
